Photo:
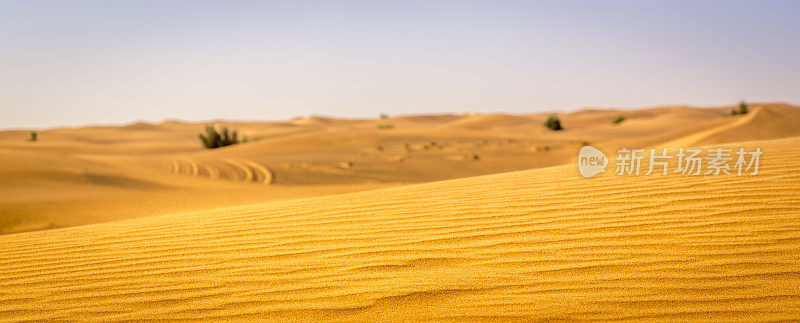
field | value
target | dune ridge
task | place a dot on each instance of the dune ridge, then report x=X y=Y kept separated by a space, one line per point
x=762 y=123
x=543 y=243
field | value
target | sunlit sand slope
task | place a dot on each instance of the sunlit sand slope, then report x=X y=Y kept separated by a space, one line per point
x=541 y=244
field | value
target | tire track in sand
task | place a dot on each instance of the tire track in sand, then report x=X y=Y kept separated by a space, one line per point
x=233 y=169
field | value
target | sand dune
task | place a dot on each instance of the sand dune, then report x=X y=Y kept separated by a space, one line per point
x=543 y=243
x=43 y=190
x=76 y=176
x=449 y=217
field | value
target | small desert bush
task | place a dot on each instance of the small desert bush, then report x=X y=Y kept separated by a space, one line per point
x=741 y=110
x=553 y=123
x=218 y=137
x=619 y=119
x=385 y=126
x=34 y=136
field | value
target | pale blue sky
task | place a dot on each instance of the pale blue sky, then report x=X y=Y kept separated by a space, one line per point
x=99 y=62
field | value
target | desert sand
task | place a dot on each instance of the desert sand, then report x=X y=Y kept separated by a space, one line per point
x=441 y=217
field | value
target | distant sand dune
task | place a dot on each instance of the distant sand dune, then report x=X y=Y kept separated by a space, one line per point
x=762 y=123
x=541 y=244
x=76 y=176
x=44 y=190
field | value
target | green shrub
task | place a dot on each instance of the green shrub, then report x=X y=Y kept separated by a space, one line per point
x=619 y=119
x=553 y=123
x=742 y=108
x=34 y=136
x=385 y=126
x=215 y=138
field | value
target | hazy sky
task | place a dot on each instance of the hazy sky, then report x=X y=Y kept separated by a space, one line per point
x=90 y=62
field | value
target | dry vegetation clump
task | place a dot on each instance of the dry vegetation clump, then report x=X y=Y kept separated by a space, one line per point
x=215 y=138
x=553 y=123
x=742 y=109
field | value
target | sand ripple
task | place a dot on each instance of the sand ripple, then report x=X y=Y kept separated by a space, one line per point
x=530 y=244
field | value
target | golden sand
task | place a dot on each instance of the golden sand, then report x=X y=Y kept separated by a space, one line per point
x=541 y=243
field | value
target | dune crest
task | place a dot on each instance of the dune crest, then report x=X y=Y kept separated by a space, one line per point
x=763 y=123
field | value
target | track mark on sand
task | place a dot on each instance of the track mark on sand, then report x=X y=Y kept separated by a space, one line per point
x=233 y=169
